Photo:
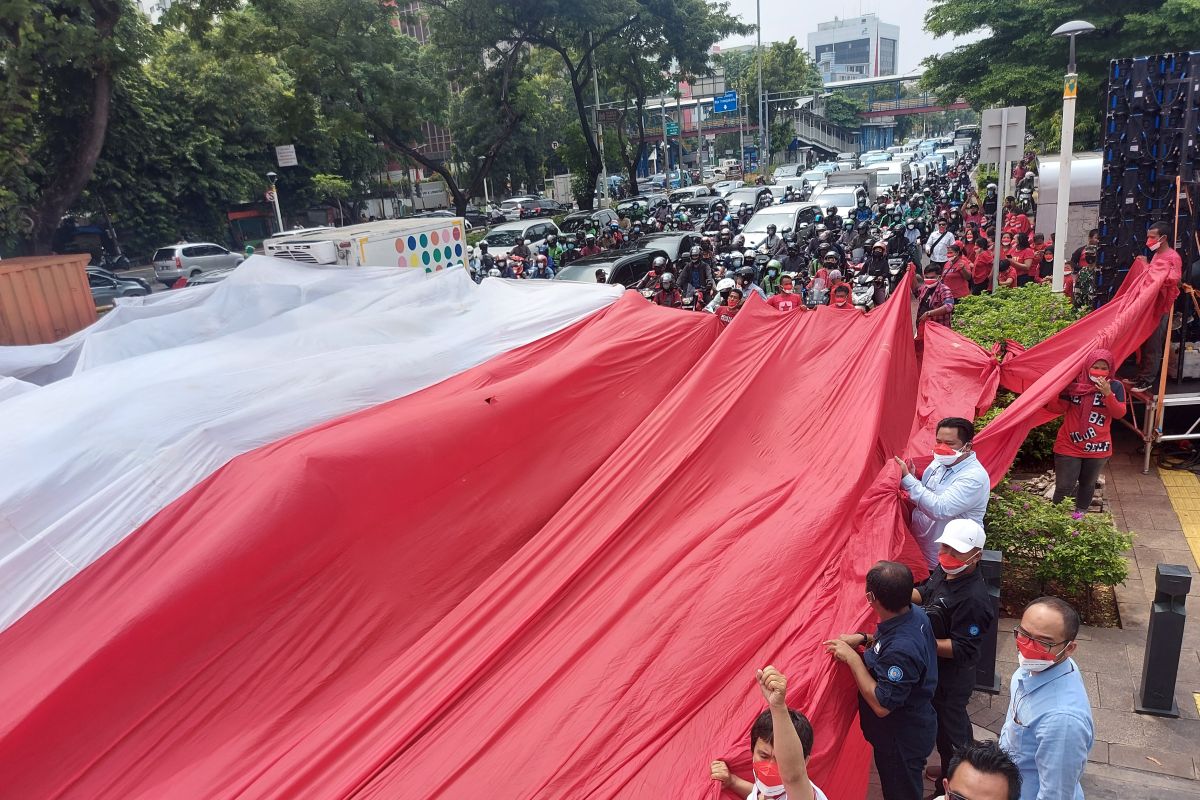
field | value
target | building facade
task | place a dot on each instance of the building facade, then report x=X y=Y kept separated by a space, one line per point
x=859 y=47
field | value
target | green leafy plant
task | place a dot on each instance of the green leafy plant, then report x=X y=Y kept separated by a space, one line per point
x=1038 y=448
x=1027 y=315
x=1050 y=548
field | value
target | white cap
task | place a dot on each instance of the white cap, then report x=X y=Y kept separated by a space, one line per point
x=963 y=535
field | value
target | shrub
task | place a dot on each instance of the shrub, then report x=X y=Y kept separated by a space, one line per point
x=987 y=173
x=1027 y=315
x=1050 y=548
x=1037 y=451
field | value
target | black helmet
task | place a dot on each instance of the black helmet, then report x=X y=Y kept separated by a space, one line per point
x=695 y=251
x=660 y=264
x=745 y=272
x=771 y=230
x=483 y=246
x=832 y=210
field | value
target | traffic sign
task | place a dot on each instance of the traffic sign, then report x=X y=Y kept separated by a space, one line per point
x=269 y=195
x=725 y=102
x=1003 y=135
x=672 y=128
x=608 y=116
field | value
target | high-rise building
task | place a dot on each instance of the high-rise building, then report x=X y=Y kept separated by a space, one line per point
x=859 y=47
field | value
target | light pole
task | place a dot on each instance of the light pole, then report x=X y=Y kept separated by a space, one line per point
x=666 y=165
x=1070 y=85
x=271 y=176
x=487 y=201
x=762 y=139
x=596 y=123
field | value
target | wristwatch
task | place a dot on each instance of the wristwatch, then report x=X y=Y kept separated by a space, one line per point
x=867 y=638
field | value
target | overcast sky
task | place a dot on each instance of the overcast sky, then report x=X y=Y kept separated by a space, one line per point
x=784 y=18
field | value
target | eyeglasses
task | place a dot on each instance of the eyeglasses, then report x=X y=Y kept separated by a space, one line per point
x=953 y=795
x=1020 y=634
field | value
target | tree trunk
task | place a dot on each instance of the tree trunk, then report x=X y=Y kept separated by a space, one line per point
x=70 y=178
x=594 y=168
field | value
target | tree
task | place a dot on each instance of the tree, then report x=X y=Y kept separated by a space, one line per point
x=1018 y=63
x=58 y=65
x=333 y=187
x=844 y=109
x=787 y=70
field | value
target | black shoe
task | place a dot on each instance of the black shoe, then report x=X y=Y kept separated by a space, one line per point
x=1143 y=386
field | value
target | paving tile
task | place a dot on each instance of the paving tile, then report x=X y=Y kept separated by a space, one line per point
x=1148 y=536
x=1106 y=782
x=1116 y=692
x=1099 y=753
x=1164 y=762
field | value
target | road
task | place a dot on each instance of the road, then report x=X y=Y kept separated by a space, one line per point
x=147 y=274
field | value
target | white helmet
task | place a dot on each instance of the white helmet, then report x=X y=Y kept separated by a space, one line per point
x=725 y=283
x=493 y=273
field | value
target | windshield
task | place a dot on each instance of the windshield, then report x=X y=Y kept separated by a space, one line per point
x=814 y=176
x=780 y=219
x=681 y=195
x=747 y=196
x=570 y=225
x=888 y=178
x=843 y=199
x=582 y=273
x=503 y=238
x=166 y=254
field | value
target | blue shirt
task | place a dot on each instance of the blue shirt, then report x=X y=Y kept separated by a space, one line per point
x=943 y=494
x=1048 y=731
x=903 y=662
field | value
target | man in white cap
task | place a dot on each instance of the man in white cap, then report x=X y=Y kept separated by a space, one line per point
x=961 y=613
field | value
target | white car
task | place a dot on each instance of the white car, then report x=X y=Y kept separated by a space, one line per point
x=511 y=208
x=784 y=216
x=723 y=188
x=504 y=237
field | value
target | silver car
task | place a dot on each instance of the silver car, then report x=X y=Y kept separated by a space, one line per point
x=191 y=259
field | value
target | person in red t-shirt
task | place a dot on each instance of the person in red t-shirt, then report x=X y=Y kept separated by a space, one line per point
x=972 y=216
x=786 y=299
x=840 y=298
x=1018 y=223
x=981 y=277
x=957 y=272
x=732 y=305
x=1084 y=443
x=1008 y=274
x=1025 y=260
x=1167 y=263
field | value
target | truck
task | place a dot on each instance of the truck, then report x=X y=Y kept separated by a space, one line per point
x=429 y=243
x=865 y=178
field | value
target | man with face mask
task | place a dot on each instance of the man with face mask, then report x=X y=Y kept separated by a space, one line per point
x=773 y=242
x=960 y=610
x=954 y=486
x=1048 y=728
x=896 y=675
x=1165 y=259
x=794 y=260
x=781 y=742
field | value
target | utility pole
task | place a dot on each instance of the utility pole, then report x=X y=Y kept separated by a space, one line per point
x=762 y=139
x=596 y=123
x=662 y=118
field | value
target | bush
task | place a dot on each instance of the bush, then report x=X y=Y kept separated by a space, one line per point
x=984 y=175
x=1027 y=315
x=1051 y=549
x=1037 y=451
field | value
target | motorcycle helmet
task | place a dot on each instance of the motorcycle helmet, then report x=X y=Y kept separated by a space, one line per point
x=726 y=233
x=493 y=273
x=483 y=247
x=774 y=267
x=694 y=252
x=667 y=280
x=880 y=245
x=601 y=275
x=660 y=264
x=541 y=259
x=591 y=239
x=770 y=230
x=831 y=211
x=745 y=273
x=551 y=238
x=724 y=286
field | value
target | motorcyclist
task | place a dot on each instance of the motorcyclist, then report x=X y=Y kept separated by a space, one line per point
x=794 y=261
x=541 y=267
x=590 y=247
x=514 y=267
x=485 y=262
x=772 y=272
x=601 y=276
x=695 y=273
x=863 y=213
x=725 y=241
x=555 y=250
x=745 y=281
x=635 y=234
x=522 y=250
x=832 y=221
x=494 y=273
x=721 y=295
x=990 y=199
x=774 y=242
x=668 y=293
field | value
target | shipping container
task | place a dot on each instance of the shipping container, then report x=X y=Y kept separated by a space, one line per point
x=44 y=298
x=429 y=243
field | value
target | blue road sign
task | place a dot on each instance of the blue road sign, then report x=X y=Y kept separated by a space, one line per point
x=725 y=102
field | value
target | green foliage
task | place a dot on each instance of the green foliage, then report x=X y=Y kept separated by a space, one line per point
x=1018 y=63
x=1037 y=451
x=985 y=174
x=1026 y=315
x=1060 y=550
x=843 y=109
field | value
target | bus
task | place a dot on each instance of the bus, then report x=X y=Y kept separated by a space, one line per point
x=971 y=132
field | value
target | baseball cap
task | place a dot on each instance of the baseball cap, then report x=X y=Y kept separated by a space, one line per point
x=963 y=535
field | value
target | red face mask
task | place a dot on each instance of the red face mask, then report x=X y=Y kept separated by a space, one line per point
x=949 y=562
x=940 y=449
x=1032 y=650
x=1098 y=373
x=767 y=773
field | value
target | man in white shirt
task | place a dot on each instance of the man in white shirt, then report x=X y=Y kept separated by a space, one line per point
x=781 y=741
x=938 y=243
x=954 y=486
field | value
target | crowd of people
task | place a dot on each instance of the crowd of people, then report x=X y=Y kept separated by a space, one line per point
x=916 y=669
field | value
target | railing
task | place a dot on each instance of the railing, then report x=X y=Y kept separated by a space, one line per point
x=905 y=103
x=816 y=130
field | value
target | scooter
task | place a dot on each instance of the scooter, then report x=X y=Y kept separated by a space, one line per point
x=862 y=291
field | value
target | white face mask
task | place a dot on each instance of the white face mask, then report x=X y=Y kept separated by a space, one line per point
x=947 y=460
x=1034 y=664
x=769 y=791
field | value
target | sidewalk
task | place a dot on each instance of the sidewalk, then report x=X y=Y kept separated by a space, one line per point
x=1135 y=755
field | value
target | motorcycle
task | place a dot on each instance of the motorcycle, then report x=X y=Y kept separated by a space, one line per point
x=862 y=291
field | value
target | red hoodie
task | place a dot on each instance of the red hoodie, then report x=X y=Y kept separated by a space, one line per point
x=1086 y=430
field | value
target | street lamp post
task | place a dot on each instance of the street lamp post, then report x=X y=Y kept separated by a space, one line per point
x=666 y=165
x=271 y=176
x=1070 y=85
x=762 y=138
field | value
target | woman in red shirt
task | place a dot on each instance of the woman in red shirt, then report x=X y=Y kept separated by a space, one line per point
x=1025 y=260
x=1084 y=443
x=957 y=271
x=1008 y=274
x=982 y=277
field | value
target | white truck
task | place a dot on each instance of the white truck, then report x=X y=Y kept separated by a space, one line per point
x=429 y=243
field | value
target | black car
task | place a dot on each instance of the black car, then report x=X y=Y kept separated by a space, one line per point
x=541 y=207
x=755 y=197
x=627 y=267
x=587 y=220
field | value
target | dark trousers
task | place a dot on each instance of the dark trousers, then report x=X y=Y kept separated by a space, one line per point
x=901 y=769
x=1152 y=352
x=950 y=703
x=1076 y=476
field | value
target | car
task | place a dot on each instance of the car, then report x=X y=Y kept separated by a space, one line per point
x=874 y=157
x=588 y=220
x=689 y=192
x=699 y=207
x=503 y=238
x=843 y=197
x=799 y=185
x=847 y=160
x=828 y=166
x=639 y=207
x=627 y=267
x=722 y=188
x=753 y=196
x=112 y=276
x=787 y=171
x=540 y=207
x=785 y=217
x=106 y=287
x=189 y=259
x=216 y=276
x=469 y=220
x=511 y=208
